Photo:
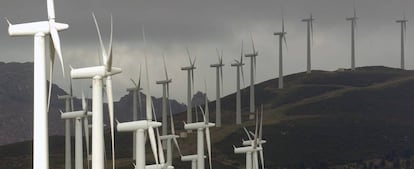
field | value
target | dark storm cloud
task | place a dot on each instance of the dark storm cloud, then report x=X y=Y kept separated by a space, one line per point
x=203 y=26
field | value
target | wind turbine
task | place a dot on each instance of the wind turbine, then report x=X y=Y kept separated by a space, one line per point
x=309 y=23
x=169 y=138
x=201 y=127
x=252 y=57
x=68 y=149
x=78 y=117
x=165 y=95
x=353 y=21
x=403 y=23
x=239 y=65
x=40 y=105
x=68 y=107
x=190 y=77
x=282 y=37
x=219 y=79
x=253 y=146
x=136 y=92
x=97 y=74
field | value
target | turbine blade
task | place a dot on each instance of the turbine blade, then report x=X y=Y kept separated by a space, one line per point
x=52 y=61
x=50 y=9
x=135 y=84
x=109 y=61
x=247 y=133
x=56 y=43
x=284 y=39
x=188 y=54
x=160 y=149
x=255 y=131
x=251 y=36
x=111 y=115
x=261 y=124
x=165 y=69
x=139 y=78
x=84 y=103
x=173 y=129
x=153 y=143
x=218 y=54
x=242 y=74
x=262 y=158
x=208 y=145
x=103 y=52
x=71 y=95
x=148 y=98
x=86 y=129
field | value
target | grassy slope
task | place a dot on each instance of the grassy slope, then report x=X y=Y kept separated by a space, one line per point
x=323 y=117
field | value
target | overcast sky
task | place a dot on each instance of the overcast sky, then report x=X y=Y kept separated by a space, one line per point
x=203 y=26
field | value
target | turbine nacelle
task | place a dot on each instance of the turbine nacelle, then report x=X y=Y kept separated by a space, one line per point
x=167 y=137
x=136 y=125
x=401 y=21
x=188 y=68
x=164 y=81
x=75 y=114
x=190 y=157
x=250 y=142
x=33 y=28
x=352 y=18
x=217 y=65
x=252 y=54
x=279 y=33
x=198 y=125
x=243 y=150
x=237 y=64
x=90 y=72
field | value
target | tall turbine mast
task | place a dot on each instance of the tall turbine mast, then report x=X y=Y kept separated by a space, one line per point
x=353 y=21
x=403 y=23
x=41 y=102
x=252 y=57
x=239 y=68
x=165 y=96
x=219 y=81
x=282 y=38
x=309 y=23
x=190 y=77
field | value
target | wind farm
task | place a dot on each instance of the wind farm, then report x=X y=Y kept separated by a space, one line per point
x=314 y=114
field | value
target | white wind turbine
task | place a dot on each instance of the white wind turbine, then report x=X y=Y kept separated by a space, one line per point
x=252 y=57
x=309 y=23
x=165 y=96
x=97 y=74
x=190 y=77
x=68 y=107
x=282 y=38
x=353 y=21
x=201 y=127
x=253 y=146
x=219 y=79
x=403 y=23
x=78 y=116
x=169 y=138
x=239 y=65
x=136 y=92
x=41 y=103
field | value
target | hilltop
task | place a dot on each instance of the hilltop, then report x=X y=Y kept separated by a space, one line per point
x=326 y=118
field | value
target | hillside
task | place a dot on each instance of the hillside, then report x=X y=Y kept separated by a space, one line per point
x=320 y=119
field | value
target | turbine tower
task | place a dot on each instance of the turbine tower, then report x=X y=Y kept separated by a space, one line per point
x=97 y=74
x=252 y=57
x=219 y=79
x=201 y=127
x=169 y=138
x=136 y=92
x=309 y=23
x=165 y=95
x=40 y=102
x=78 y=116
x=282 y=38
x=353 y=21
x=190 y=77
x=68 y=149
x=239 y=67
x=403 y=23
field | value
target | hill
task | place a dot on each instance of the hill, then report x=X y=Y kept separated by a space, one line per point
x=319 y=120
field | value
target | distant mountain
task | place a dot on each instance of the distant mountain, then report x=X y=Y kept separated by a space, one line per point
x=16 y=104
